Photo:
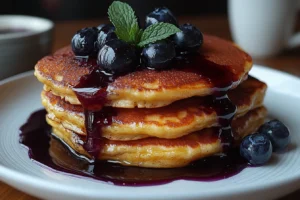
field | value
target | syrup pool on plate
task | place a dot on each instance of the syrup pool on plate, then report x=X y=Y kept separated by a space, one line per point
x=51 y=152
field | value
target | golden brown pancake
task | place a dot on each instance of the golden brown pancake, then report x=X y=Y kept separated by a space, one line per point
x=172 y=121
x=165 y=153
x=146 y=88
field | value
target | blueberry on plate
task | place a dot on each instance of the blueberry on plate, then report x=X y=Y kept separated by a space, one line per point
x=256 y=148
x=117 y=57
x=158 y=55
x=189 y=40
x=278 y=134
x=84 y=42
x=162 y=14
x=106 y=33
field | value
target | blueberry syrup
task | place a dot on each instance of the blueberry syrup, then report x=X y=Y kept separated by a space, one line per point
x=225 y=110
x=35 y=134
x=91 y=92
x=222 y=80
x=53 y=153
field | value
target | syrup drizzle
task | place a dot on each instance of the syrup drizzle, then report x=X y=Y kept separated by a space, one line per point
x=91 y=92
x=222 y=80
x=51 y=152
x=225 y=110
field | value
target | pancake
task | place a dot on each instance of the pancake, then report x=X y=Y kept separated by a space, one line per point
x=165 y=153
x=145 y=88
x=173 y=121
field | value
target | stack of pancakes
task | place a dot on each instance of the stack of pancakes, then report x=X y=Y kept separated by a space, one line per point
x=163 y=119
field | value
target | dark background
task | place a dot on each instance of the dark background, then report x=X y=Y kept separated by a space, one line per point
x=93 y=9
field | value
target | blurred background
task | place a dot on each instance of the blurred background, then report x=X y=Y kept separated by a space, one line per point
x=91 y=9
x=255 y=25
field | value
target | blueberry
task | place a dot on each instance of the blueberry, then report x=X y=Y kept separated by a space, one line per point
x=84 y=42
x=158 y=55
x=117 y=57
x=109 y=27
x=162 y=14
x=106 y=33
x=277 y=132
x=256 y=148
x=189 y=40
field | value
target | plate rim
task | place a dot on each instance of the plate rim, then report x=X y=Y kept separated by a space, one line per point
x=7 y=175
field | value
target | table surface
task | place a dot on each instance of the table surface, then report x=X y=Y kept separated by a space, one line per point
x=288 y=61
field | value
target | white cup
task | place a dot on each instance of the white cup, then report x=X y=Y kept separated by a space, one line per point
x=263 y=27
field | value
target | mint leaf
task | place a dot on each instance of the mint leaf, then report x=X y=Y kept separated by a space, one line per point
x=123 y=18
x=139 y=35
x=157 y=32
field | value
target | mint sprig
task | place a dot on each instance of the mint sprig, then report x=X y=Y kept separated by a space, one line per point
x=123 y=18
x=157 y=32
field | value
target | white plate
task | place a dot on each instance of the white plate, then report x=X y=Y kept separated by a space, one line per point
x=20 y=95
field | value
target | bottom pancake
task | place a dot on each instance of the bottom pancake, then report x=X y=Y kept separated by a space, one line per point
x=164 y=153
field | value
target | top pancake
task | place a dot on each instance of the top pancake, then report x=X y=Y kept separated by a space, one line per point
x=147 y=88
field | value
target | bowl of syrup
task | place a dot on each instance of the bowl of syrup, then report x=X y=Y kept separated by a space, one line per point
x=23 y=41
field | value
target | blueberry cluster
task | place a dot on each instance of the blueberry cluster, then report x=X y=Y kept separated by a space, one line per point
x=118 y=57
x=257 y=148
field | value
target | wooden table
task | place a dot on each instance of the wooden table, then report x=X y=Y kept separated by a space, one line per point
x=288 y=61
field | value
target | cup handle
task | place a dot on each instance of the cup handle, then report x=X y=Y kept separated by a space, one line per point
x=294 y=41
